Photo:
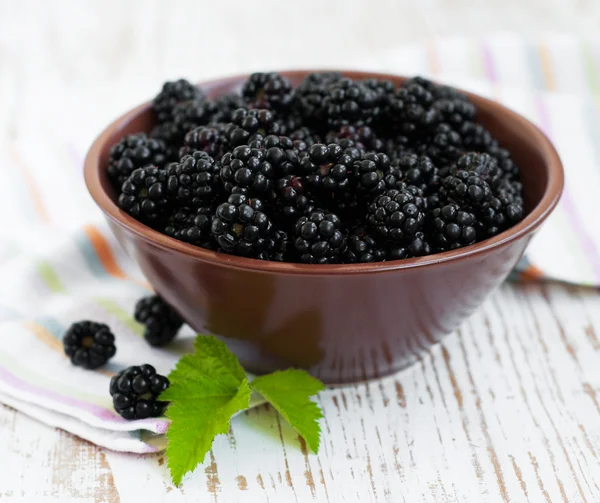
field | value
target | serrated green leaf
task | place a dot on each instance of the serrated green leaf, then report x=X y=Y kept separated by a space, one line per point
x=289 y=391
x=207 y=388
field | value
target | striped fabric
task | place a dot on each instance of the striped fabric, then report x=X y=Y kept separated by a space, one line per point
x=59 y=264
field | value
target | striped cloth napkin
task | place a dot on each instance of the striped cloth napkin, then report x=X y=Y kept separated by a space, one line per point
x=59 y=263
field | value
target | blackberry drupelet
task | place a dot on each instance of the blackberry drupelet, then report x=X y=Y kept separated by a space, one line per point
x=240 y=227
x=144 y=194
x=160 y=320
x=247 y=170
x=361 y=247
x=329 y=166
x=89 y=344
x=308 y=99
x=173 y=93
x=349 y=102
x=135 y=392
x=132 y=152
x=209 y=139
x=452 y=227
x=319 y=239
x=397 y=215
x=268 y=90
x=249 y=125
x=191 y=225
x=194 y=181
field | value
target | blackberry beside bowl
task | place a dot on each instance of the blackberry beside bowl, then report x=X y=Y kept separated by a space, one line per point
x=345 y=322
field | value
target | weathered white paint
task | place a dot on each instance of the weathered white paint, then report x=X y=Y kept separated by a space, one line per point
x=507 y=409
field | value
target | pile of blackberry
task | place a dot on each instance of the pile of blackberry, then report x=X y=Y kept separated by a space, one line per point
x=333 y=171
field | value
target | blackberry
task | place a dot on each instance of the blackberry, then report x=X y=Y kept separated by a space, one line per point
x=361 y=247
x=283 y=154
x=438 y=91
x=191 y=225
x=209 y=139
x=135 y=392
x=505 y=162
x=160 y=320
x=397 y=215
x=452 y=227
x=304 y=136
x=144 y=194
x=329 y=166
x=248 y=125
x=247 y=170
x=310 y=93
x=417 y=246
x=383 y=89
x=373 y=174
x=268 y=90
x=502 y=210
x=467 y=189
x=444 y=146
x=319 y=239
x=417 y=170
x=132 y=152
x=455 y=112
x=483 y=165
x=89 y=344
x=349 y=102
x=225 y=106
x=293 y=201
x=173 y=93
x=364 y=137
x=189 y=115
x=194 y=181
x=240 y=227
x=475 y=137
x=410 y=109
x=280 y=247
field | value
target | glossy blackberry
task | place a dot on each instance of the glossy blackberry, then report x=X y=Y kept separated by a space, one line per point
x=454 y=112
x=309 y=95
x=319 y=239
x=173 y=93
x=280 y=247
x=329 y=167
x=506 y=163
x=305 y=136
x=189 y=115
x=349 y=102
x=361 y=247
x=283 y=154
x=225 y=106
x=483 y=165
x=364 y=138
x=410 y=109
x=247 y=170
x=383 y=89
x=397 y=215
x=132 y=152
x=373 y=174
x=444 y=145
x=439 y=92
x=160 y=320
x=144 y=194
x=475 y=137
x=193 y=181
x=240 y=227
x=504 y=209
x=452 y=227
x=135 y=392
x=191 y=225
x=89 y=344
x=293 y=200
x=248 y=125
x=268 y=90
x=466 y=189
x=416 y=246
x=417 y=170
x=209 y=139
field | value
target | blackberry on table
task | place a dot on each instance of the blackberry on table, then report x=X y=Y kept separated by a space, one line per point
x=194 y=180
x=89 y=344
x=329 y=166
x=452 y=227
x=191 y=225
x=240 y=226
x=135 y=392
x=173 y=93
x=319 y=239
x=361 y=247
x=268 y=90
x=132 y=152
x=246 y=169
x=144 y=194
x=160 y=320
x=397 y=215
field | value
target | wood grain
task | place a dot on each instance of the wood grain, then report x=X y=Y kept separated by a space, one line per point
x=507 y=409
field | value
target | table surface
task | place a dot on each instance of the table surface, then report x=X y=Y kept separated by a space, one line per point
x=505 y=409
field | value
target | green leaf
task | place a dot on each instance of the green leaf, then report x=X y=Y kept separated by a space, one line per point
x=207 y=388
x=289 y=391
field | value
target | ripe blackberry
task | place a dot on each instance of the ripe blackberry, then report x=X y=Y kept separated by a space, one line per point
x=280 y=247
x=144 y=194
x=455 y=112
x=329 y=166
x=452 y=227
x=467 y=189
x=189 y=115
x=319 y=239
x=506 y=163
x=417 y=246
x=397 y=215
x=410 y=109
x=161 y=321
x=361 y=247
x=209 y=139
x=349 y=102
x=364 y=138
x=417 y=170
x=135 y=392
x=240 y=227
x=248 y=125
x=308 y=99
x=225 y=106
x=132 y=152
x=292 y=199
x=173 y=93
x=194 y=181
x=247 y=169
x=475 y=137
x=383 y=89
x=283 y=154
x=89 y=344
x=374 y=173
x=304 y=136
x=268 y=90
x=444 y=145
x=483 y=165
x=191 y=225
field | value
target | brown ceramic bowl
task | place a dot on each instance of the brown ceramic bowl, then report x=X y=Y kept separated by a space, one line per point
x=342 y=322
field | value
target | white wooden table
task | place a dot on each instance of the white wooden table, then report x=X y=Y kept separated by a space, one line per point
x=507 y=409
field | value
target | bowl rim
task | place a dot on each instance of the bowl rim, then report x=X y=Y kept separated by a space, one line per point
x=531 y=222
